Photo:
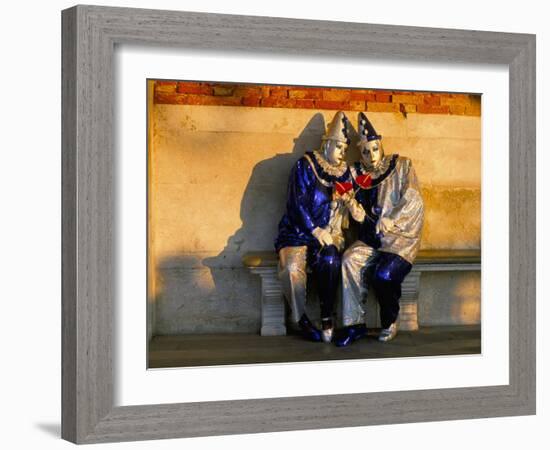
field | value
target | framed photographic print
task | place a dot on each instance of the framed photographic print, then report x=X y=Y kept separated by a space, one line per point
x=212 y=163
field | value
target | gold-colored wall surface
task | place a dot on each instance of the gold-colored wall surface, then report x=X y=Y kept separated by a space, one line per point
x=217 y=189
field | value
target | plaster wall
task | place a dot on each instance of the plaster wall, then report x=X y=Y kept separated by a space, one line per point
x=218 y=177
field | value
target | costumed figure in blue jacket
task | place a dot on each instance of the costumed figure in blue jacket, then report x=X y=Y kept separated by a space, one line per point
x=387 y=189
x=310 y=238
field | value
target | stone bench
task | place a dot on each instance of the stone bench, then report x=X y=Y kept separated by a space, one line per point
x=265 y=264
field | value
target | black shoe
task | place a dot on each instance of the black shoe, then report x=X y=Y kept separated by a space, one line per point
x=308 y=330
x=350 y=334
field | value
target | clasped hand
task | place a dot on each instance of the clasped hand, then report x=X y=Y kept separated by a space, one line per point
x=323 y=236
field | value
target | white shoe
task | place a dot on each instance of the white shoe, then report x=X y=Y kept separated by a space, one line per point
x=327 y=335
x=387 y=334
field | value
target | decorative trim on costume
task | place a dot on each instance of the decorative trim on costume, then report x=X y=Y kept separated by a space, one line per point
x=335 y=171
x=324 y=178
x=366 y=179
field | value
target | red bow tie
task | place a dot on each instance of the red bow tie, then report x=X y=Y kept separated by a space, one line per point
x=364 y=181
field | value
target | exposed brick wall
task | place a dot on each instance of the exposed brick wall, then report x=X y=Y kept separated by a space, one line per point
x=227 y=94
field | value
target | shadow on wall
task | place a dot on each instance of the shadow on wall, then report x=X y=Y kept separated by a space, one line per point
x=264 y=200
x=213 y=294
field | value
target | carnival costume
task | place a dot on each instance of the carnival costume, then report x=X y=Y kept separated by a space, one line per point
x=389 y=236
x=310 y=238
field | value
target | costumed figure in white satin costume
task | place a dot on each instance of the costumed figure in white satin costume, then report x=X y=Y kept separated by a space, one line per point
x=310 y=239
x=387 y=189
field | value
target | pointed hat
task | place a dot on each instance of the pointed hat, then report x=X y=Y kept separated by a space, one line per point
x=337 y=130
x=366 y=130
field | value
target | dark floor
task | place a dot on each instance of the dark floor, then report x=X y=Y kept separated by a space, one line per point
x=220 y=349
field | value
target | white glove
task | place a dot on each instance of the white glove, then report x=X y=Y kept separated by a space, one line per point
x=356 y=210
x=384 y=225
x=354 y=207
x=323 y=236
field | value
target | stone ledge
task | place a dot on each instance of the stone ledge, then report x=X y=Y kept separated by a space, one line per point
x=241 y=348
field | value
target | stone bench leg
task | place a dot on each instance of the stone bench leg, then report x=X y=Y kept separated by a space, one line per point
x=408 y=314
x=273 y=307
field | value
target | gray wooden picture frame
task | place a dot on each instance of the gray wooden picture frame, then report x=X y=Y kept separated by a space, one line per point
x=89 y=37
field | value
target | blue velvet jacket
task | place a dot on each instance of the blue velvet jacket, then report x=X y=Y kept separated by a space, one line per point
x=308 y=203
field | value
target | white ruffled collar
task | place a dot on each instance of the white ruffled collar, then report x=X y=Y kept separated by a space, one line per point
x=335 y=171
